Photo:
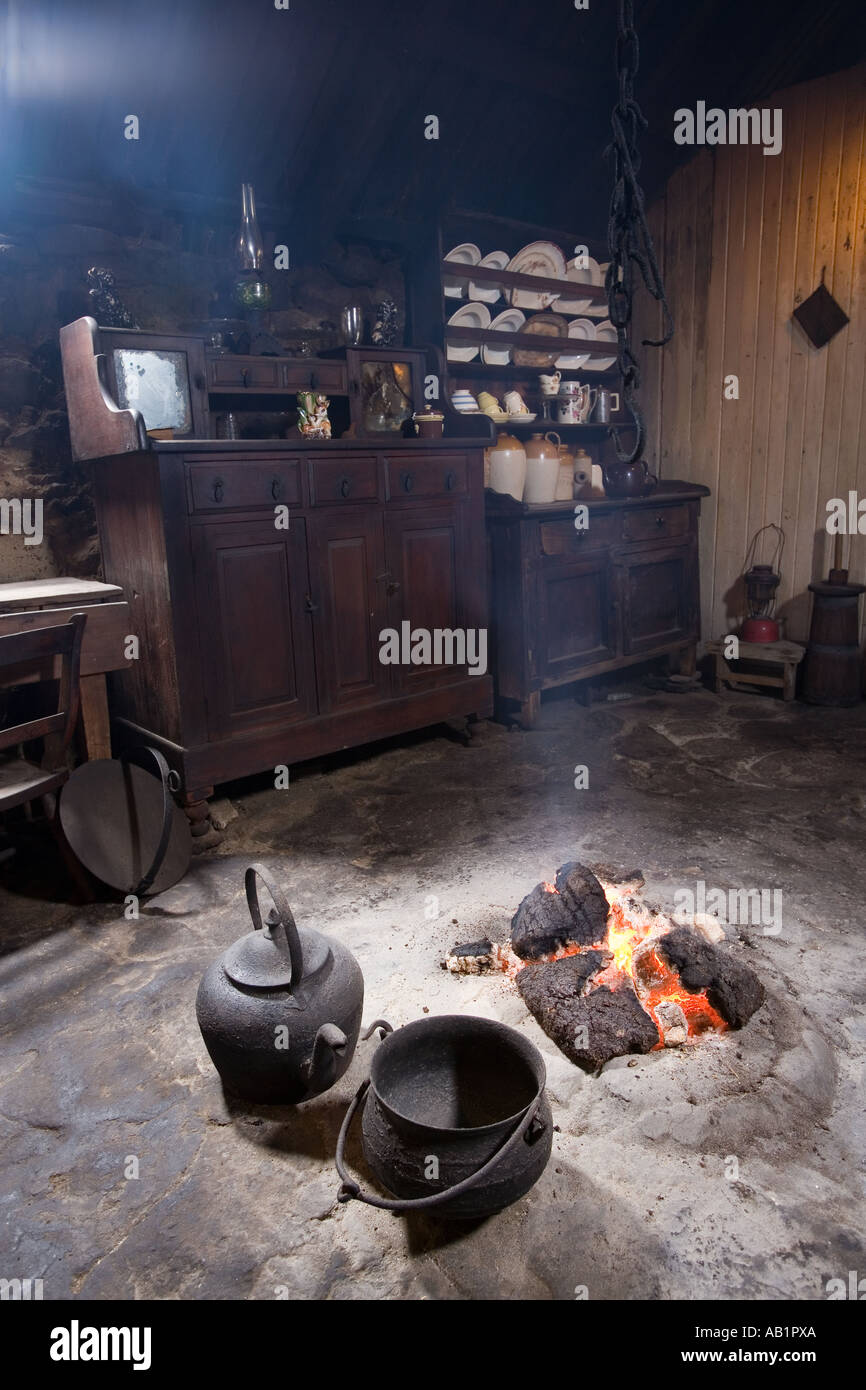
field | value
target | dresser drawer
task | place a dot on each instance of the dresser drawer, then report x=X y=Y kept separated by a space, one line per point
x=221 y=486
x=244 y=374
x=353 y=478
x=656 y=523
x=441 y=475
x=307 y=375
x=561 y=537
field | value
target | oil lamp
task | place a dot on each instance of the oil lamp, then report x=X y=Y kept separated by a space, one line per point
x=761 y=582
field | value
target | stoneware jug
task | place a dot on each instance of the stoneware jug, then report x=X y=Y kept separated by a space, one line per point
x=542 y=467
x=280 y=1011
x=507 y=466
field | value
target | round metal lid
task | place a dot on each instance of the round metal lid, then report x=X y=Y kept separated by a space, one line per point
x=262 y=961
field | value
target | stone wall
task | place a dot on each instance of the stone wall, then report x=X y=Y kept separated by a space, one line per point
x=174 y=269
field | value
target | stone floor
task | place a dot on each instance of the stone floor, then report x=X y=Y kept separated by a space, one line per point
x=733 y=1169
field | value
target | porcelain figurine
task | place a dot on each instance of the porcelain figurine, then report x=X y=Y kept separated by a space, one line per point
x=313 y=419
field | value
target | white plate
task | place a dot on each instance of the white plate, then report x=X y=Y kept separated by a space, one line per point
x=578 y=328
x=604 y=333
x=467 y=253
x=580 y=275
x=509 y=321
x=484 y=290
x=524 y=418
x=538 y=258
x=469 y=316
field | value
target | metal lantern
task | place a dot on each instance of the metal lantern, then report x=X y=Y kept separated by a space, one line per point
x=761 y=583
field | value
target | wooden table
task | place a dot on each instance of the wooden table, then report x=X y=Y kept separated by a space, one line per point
x=34 y=603
x=786 y=655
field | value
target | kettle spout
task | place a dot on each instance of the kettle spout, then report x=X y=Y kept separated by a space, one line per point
x=331 y=1043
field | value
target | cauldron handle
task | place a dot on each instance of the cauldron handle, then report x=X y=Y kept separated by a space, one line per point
x=291 y=942
x=349 y=1188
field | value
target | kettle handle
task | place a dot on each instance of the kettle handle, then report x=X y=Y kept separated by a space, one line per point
x=290 y=944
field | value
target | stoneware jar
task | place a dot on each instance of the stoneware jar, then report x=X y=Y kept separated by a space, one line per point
x=280 y=1011
x=565 y=481
x=542 y=467
x=508 y=466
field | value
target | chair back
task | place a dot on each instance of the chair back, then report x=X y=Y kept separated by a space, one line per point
x=23 y=654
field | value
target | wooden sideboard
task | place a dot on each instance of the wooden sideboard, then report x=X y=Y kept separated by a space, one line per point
x=260 y=645
x=568 y=603
x=260 y=574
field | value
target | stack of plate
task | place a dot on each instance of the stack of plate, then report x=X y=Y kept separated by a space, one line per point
x=469 y=316
x=604 y=333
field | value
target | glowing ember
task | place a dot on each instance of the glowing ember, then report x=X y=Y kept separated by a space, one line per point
x=628 y=932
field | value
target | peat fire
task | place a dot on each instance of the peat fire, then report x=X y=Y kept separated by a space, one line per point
x=606 y=973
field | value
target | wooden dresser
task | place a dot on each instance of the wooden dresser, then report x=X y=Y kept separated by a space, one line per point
x=260 y=644
x=569 y=603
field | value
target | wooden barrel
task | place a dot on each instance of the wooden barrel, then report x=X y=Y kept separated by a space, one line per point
x=833 y=662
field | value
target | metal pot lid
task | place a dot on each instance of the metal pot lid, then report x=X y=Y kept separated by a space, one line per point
x=261 y=960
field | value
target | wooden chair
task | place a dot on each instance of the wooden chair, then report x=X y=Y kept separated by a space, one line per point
x=24 y=657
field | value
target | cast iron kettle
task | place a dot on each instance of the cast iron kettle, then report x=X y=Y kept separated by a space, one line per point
x=280 y=1011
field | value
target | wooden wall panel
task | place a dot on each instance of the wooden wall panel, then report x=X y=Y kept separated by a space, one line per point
x=743 y=238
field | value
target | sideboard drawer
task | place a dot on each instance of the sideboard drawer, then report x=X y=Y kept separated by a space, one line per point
x=221 y=486
x=354 y=478
x=655 y=523
x=442 y=475
x=245 y=373
x=562 y=538
x=313 y=375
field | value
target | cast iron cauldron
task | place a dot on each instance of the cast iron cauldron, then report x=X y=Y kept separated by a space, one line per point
x=280 y=1011
x=465 y=1092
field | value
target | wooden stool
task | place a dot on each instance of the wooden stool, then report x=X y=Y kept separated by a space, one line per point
x=788 y=655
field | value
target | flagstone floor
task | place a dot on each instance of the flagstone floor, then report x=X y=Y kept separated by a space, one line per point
x=730 y=1170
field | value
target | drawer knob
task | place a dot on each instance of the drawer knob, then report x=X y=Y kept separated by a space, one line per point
x=345 y=487
x=408 y=482
x=450 y=482
x=245 y=371
x=218 y=489
x=309 y=605
x=660 y=520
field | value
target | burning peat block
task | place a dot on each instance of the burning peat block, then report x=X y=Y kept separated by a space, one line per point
x=589 y=1028
x=473 y=958
x=731 y=987
x=571 y=912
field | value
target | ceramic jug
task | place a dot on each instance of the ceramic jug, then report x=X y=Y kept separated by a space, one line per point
x=542 y=467
x=507 y=466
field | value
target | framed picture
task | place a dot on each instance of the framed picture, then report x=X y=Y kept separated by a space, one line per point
x=386 y=386
x=161 y=375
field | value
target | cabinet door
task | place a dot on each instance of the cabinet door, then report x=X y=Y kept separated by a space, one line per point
x=659 y=597
x=577 y=617
x=425 y=550
x=348 y=590
x=257 y=649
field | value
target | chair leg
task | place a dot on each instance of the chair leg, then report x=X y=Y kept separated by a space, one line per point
x=81 y=879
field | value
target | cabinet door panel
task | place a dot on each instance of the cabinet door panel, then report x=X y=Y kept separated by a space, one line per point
x=660 y=604
x=578 y=625
x=425 y=550
x=251 y=580
x=347 y=566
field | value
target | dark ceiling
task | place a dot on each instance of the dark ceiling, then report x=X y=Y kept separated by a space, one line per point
x=322 y=105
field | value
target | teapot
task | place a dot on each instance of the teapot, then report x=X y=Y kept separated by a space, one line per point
x=280 y=1010
x=622 y=479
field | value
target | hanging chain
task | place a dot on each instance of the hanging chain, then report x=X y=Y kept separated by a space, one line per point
x=628 y=234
